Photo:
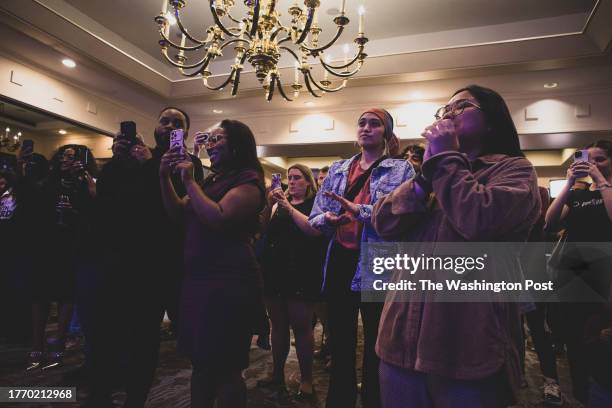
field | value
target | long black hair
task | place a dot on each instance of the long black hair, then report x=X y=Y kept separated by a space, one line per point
x=241 y=143
x=80 y=152
x=502 y=137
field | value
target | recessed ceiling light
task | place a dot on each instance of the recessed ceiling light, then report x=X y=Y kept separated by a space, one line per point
x=416 y=95
x=309 y=103
x=550 y=85
x=217 y=111
x=68 y=63
x=62 y=132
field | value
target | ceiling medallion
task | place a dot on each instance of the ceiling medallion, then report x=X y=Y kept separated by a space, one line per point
x=260 y=38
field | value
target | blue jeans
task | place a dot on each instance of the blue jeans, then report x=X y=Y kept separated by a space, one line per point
x=403 y=388
x=599 y=397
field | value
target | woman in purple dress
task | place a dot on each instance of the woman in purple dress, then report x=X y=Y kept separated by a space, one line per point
x=222 y=280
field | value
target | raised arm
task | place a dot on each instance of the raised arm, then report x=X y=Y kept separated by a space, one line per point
x=558 y=209
x=400 y=210
x=172 y=203
x=237 y=204
x=300 y=220
x=603 y=186
x=504 y=203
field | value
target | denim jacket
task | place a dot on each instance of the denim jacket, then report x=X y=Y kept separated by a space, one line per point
x=385 y=178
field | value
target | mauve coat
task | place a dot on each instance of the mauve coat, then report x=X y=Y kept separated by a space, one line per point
x=494 y=198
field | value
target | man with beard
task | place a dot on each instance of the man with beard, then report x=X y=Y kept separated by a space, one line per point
x=132 y=272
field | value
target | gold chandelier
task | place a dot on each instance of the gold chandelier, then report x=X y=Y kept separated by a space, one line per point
x=10 y=142
x=260 y=38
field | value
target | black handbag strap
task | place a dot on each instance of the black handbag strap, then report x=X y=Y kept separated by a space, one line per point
x=351 y=192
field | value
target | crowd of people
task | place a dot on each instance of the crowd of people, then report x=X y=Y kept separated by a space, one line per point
x=148 y=234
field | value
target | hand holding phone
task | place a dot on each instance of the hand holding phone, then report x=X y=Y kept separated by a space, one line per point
x=581 y=156
x=276 y=181
x=125 y=140
x=27 y=149
x=177 y=140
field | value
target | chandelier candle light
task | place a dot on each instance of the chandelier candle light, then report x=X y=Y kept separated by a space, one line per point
x=10 y=142
x=260 y=38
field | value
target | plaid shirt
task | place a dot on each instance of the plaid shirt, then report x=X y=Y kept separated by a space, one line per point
x=385 y=178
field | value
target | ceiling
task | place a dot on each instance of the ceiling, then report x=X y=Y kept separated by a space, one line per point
x=385 y=18
x=417 y=44
x=418 y=50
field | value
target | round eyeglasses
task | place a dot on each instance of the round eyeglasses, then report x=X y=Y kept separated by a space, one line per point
x=455 y=109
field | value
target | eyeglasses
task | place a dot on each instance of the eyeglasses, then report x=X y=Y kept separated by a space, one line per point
x=208 y=139
x=455 y=109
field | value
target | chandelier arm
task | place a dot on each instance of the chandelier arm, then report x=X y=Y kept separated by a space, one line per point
x=308 y=86
x=235 y=40
x=176 y=46
x=237 y=76
x=235 y=20
x=218 y=21
x=217 y=88
x=203 y=62
x=277 y=31
x=329 y=67
x=329 y=44
x=236 y=82
x=256 y=7
x=281 y=90
x=306 y=30
x=324 y=88
x=270 y=92
x=346 y=74
x=284 y=40
x=184 y=30
x=290 y=51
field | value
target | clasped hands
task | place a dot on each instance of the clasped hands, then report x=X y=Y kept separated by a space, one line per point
x=441 y=137
x=579 y=169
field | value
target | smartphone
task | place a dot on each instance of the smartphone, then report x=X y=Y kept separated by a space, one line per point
x=82 y=155
x=581 y=155
x=27 y=144
x=176 y=140
x=128 y=132
x=276 y=181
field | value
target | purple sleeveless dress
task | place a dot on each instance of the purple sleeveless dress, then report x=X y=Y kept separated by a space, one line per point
x=222 y=285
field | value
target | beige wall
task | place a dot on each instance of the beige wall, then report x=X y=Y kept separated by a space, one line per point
x=313 y=162
x=569 y=113
x=100 y=145
x=43 y=91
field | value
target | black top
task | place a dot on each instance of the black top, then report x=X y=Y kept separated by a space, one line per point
x=63 y=212
x=292 y=261
x=599 y=351
x=587 y=220
x=226 y=253
x=15 y=224
x=130 y=215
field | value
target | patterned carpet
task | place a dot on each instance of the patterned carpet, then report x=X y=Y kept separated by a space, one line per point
x=171 y=388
